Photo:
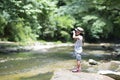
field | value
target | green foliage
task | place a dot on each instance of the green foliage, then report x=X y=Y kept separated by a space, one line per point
x=99 y=18
x=64 y=25
x=65 y=35
x=2 y=25
x=15 y=31
x=26 y=17
x=65 y=22
x=27 y=20
x=96 y=26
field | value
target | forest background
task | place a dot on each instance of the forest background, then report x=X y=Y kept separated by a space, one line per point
x=54 y=20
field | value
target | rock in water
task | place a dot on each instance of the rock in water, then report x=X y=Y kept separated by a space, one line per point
x=112 y=74
x=92 y=62
x=68 y=75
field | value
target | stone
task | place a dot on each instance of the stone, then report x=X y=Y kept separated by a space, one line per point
x=112 y=74
x=68 y=75
x=118 y=69
x=92 y=62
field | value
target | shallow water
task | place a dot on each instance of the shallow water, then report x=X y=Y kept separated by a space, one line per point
x=41 y=64
x=17 y=63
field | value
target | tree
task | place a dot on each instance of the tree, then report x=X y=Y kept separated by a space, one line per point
x=97 y=17
x=23 y=20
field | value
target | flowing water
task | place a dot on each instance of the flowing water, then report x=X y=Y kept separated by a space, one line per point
x=40 y=65
x=14 y=66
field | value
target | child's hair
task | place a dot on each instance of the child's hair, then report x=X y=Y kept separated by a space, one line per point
x=82 y=33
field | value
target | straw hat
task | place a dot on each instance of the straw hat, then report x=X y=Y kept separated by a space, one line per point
x=80 y=29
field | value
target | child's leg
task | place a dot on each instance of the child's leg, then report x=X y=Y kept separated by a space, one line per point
x=78 y=62
x=78 y=65
x=78 y=57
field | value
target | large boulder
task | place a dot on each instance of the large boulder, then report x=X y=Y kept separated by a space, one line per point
x=113 y=74
x=68 y=75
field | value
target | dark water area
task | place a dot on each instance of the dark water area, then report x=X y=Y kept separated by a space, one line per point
x=16 y=63
x=46 y=76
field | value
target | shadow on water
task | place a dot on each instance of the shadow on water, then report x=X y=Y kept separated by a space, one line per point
x=45 y=76
x=61 y=53
x=97 y=57
x=98 y=53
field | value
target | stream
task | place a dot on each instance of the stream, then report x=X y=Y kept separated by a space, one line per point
x=40 y=65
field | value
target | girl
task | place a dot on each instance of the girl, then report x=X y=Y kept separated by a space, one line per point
x=78 y=36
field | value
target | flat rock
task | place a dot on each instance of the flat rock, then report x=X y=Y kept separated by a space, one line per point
x=112 y=74
x=68 y=75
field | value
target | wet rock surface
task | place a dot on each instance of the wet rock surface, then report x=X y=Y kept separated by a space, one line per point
x=112 y=71
x=68 y=75
x=112 y=74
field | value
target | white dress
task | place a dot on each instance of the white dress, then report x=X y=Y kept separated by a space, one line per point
x=78 y=45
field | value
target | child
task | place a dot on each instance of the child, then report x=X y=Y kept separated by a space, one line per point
x=78 y=36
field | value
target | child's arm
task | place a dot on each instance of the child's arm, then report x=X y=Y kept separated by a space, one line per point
x=74 y=35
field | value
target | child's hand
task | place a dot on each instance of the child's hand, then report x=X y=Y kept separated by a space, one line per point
x=73 y=32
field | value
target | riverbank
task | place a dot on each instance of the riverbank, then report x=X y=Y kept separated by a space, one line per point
x=11 y=47
x=16 y=47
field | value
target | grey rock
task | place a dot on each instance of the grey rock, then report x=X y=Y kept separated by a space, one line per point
x=68 y=75
x=112 y=74
x=92 y=62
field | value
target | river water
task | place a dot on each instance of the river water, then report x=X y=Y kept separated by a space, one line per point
x=40 y=65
